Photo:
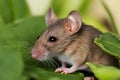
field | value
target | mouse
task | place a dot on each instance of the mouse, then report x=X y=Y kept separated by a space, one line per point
x=72 y=42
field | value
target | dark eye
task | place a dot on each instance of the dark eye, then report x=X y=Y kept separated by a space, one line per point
x=52 y=39
x=38 y=37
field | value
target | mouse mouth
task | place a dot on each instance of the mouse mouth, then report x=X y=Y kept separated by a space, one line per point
x=43 y=57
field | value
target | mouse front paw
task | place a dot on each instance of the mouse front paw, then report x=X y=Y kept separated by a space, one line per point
x=64 y=70
x=67 y=71
x=60 y=69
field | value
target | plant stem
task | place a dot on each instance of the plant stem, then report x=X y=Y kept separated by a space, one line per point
x=114 y=27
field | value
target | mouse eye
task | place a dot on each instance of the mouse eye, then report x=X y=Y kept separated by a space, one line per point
x=38 y=37
x=52 y=39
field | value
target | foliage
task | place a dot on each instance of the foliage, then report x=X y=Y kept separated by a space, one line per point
x=105 y=72
x=11 y=10
x=18 y=33
x=11 y=63
x=110 y=43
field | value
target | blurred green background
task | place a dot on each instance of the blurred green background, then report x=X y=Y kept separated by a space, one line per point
x=92 y=12
x=21 y=21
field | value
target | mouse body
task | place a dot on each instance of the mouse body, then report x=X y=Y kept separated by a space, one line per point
x=72 y=42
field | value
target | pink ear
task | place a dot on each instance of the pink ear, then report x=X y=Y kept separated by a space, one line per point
x=73 y=22
x=50 y=17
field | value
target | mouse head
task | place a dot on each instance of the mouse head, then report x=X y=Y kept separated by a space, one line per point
x=59 y=34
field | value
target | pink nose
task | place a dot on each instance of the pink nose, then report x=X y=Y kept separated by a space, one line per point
x=35 y=54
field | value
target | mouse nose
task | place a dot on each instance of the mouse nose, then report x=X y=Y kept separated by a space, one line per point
x=35 y=54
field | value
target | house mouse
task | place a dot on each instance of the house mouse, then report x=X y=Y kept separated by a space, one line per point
x=72 y=42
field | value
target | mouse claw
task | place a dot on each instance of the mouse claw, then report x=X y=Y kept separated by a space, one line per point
x=66 y=71
x=59 y=69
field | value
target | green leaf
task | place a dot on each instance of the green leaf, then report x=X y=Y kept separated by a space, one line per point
x=1 y=23
x=11 y=64
x=25 y=30
x=13 y=39
x=5 y=11
x=104 y=72
x=20 y=9
x=41 y=74
x=29 y=29
x=11 y=10
x=110 y=43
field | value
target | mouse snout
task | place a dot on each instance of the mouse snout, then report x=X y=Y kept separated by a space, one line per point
x=38 y=53
x=35 y=53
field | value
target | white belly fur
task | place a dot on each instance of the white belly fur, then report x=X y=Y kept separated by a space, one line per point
x=65 y=58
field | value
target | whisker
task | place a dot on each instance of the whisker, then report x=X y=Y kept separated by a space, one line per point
x=37 y=63
x=52 y=64
x=28 y=58
x=57 y=65
x=47 y=64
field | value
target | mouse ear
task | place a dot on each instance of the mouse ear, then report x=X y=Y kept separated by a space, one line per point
x=73 y=22
x=50 y=17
